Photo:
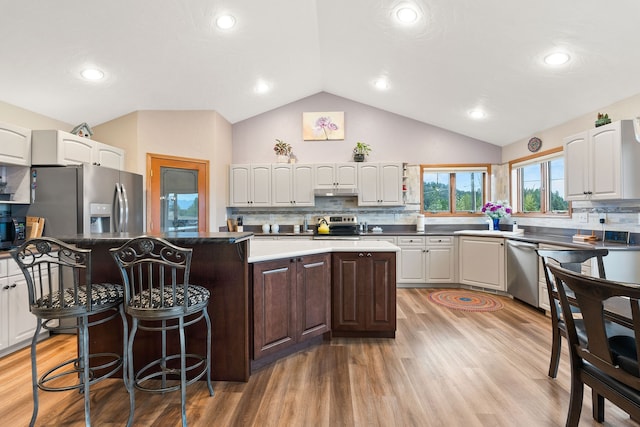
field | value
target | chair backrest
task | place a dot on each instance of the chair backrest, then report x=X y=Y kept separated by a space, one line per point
x=155 y=274
x=571 y=259
x=615 y=356
x=54 y=272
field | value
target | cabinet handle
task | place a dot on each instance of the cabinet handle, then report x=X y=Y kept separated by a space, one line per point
x=369 y=254
x=5 y=287
x=292 y=260
x=14 y=285
x=360 y=254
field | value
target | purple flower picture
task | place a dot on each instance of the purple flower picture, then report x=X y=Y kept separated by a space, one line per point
x=323 y=126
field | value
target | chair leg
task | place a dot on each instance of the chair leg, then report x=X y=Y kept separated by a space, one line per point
x=34 y=374
x=556 y=349
x=208 y=320
x=83 y=332
x=183 y=373
x=597 y=406
x=125 y=361
x=131 y=380
x=575 y=400
x=163 y=365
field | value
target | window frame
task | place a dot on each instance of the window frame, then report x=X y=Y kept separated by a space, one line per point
x=451 y=169
x=541 y=158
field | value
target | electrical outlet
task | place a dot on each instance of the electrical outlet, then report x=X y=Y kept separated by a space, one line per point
x=603 y=218
x=584 y=217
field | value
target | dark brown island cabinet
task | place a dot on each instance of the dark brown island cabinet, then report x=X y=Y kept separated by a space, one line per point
x=291 y=300
x=364 y=294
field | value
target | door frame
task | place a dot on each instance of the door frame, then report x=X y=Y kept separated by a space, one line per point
x=154 y=163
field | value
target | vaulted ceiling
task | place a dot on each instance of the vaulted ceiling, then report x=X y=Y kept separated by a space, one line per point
x=459 y=55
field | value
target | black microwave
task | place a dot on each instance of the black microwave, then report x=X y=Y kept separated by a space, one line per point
x=13 y=231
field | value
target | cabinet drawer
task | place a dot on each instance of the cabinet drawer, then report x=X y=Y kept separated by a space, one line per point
x=440 y=240
x=390 y=239
x=411 y=241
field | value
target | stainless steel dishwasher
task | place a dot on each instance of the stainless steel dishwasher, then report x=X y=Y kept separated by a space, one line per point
x=522 y=271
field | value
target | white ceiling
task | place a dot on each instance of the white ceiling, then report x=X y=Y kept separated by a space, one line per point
x=460 y=55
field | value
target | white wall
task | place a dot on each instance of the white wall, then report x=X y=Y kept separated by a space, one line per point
x=392 y=137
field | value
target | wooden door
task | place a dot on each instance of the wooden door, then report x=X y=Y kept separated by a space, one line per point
x=170 y=210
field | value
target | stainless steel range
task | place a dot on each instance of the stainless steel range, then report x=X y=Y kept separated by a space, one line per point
x=340 y=227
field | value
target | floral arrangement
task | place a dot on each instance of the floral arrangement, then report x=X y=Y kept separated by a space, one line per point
x=499 y=209
x=282 y=148
x=324 y=125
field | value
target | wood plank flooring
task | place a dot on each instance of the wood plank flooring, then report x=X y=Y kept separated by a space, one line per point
x=445 y=368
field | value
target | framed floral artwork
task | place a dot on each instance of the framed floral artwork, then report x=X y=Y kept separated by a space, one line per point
x=323 y=126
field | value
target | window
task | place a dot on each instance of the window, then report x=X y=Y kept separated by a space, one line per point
x=453 y=189
x=537 y=184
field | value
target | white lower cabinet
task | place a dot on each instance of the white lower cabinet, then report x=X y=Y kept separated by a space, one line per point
x=17 y=324
x=426 y=259
x=482 y=262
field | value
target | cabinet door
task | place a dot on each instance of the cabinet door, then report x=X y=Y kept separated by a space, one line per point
x=390 y=184
x=325 y=175
x=15 y=145
x=605 y=162
x=576 y=166
x=281 y=185
x=239 y=185
x=108 y=156
x=22 y=324
x=482 y=262
x=274 y=305
x=303 y=179
x=261 y=185
x=368 y=194
x=313 y=295
x=412 y=264
x=346 y=174
x=74 y=150
x=349 y=284
x=4 y=313
x=440 y=264
x=381 y=296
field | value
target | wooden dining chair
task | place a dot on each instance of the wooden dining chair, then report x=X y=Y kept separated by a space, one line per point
x=571 y=259
x=608 y=364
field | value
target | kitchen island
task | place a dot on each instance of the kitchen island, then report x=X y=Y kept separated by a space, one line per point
x=221 y=262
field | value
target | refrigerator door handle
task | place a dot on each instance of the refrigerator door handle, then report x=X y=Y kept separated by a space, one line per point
x=118 y=209
x=125 y=209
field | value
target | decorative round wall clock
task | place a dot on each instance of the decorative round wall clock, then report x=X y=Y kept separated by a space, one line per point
x=534 y=144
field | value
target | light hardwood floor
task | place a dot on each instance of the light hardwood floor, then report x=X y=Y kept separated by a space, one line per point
x=445 y=368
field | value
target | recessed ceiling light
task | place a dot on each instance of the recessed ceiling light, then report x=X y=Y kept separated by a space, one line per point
x=477 y=114
x=225 y=22
x=92 y=74
x=261 y=87
x=407 y=15
x=382 y=83
x=557 y=58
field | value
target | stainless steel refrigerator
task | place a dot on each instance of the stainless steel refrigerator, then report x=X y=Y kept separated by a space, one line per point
x=86 y=199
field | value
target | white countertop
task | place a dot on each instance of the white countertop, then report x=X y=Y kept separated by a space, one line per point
x=490 y=233
x=265 y=250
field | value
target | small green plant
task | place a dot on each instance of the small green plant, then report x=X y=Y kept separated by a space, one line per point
x=362 y=148
x=282 y=148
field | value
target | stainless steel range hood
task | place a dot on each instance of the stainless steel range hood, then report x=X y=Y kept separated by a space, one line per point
x=336 y=192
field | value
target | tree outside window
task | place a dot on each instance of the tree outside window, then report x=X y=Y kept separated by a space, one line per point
x=454 y=189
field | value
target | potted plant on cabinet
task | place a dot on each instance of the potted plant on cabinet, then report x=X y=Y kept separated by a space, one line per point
x=360 y=151
x=283 y=151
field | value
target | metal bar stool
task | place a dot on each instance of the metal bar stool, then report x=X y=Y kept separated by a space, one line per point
x=58 y=278
x=159 y=297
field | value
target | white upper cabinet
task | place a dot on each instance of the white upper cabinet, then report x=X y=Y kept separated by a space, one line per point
x=602 y=163
x=56 y=147
x=15 y=145
x=380 y=184
x=250 y=185
x=336 y=175
x=292 y=184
